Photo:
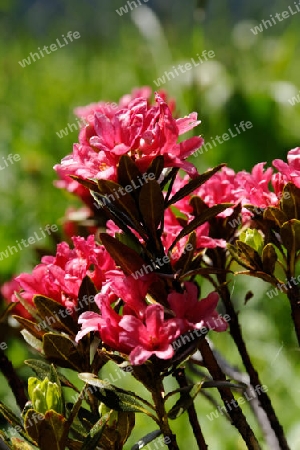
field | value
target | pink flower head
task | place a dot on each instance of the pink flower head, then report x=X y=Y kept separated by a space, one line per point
x=195 y=314
x=151 y=337
x=254 y=187
x=289 y=171
x=139 y=130
x=59 y=277
x=8 y=291
x=131 y=291
x=139 y=333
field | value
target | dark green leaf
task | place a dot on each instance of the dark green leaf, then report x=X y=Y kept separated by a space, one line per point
x=61 y=350
x=151 y=202
x=46 y=430
x=146 y=440
x=120 y=204
x=86 y=295
x=55 y=315
x=42 y=369
x=113 y=397
x=275 y=215
x=239 y=257
x=9 y=415
x=187 y=255
x=90 y=443
x=127 y=171
x=125 y=257
x=288 y=237
x=269 y=258
x=32 y=327
x=185 y=401
x=290 y=201
x=156 y=167
x=89 y=184
x=251 y=255
x=198 y=205
x=197 y=221
x=193 y=184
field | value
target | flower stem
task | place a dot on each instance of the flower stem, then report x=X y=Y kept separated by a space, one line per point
x=157 y=395
x=182 y=381
x=236 y=334
x=236 y=414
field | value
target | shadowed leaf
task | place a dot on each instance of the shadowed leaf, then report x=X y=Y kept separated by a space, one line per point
x=197 y=221
x=193 y=184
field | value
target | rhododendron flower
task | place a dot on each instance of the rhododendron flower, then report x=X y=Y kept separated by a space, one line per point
x=8 y=291
x=153 y=337
x=289 y=171
x=59 y=277
x=131 y=291
x=138 y=130
x=254 y=187
x=141 y=330
x=194 y=313
x=131 y=335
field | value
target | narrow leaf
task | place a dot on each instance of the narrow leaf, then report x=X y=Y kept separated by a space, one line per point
x=30 y=326
x=197 y=221
x=156 y=167
x=193 y=184
x=86 y=296
x=151 y=202
x=113 y=397
x=56 y=314
x=127 y=171
x=90 y=443
x=42 y=369
x=146 y=440
x=62 y=351
x=121 y=203
x=185 y=401
x=129 y=260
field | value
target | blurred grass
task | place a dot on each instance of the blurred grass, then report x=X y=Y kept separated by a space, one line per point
x=251 y=79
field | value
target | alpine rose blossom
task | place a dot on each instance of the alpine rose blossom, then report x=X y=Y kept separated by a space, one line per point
x=142 y=330
x=289 y=171
x=194 y=313
x=138 y=130
x=59 y=277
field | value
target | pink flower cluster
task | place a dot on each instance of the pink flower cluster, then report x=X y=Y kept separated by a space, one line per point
x=135 y=128
x=59 y=277
x=142 y=329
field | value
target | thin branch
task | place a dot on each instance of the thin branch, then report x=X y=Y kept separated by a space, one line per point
x=16 y=384
x=182 y=381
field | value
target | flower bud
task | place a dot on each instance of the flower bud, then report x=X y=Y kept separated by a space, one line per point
x=45 y=395
x=252 y=238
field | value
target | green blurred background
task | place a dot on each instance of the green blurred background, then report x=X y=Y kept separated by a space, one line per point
x=251 y=78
